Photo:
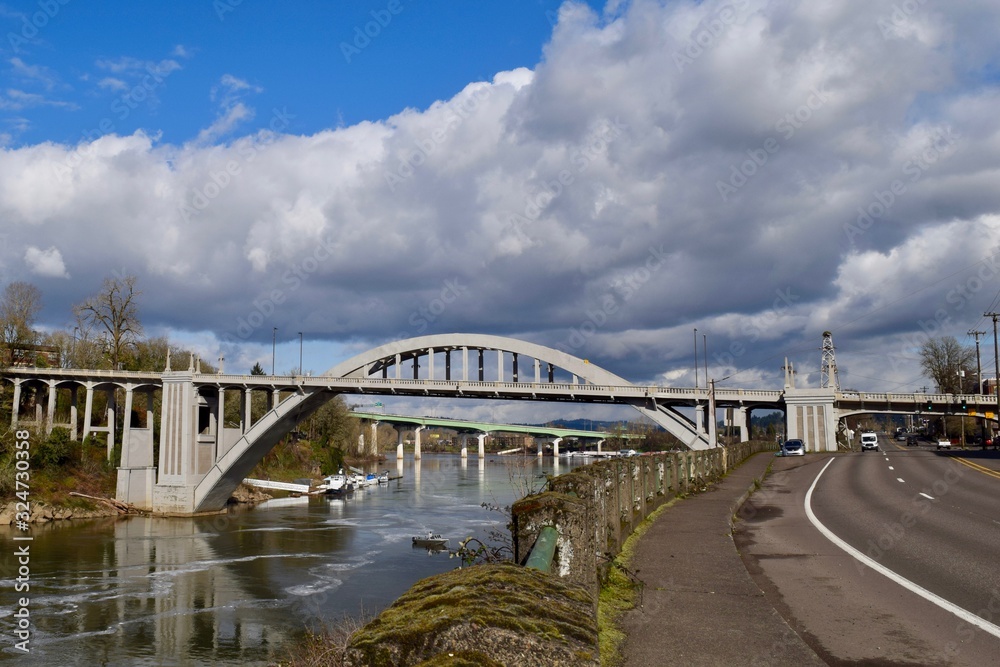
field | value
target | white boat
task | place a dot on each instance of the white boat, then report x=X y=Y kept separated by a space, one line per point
x=430 y=541
x=334 y=483
x=383 y=477
x=594 y=455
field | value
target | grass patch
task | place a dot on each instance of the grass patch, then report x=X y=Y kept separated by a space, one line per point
x=323 y=646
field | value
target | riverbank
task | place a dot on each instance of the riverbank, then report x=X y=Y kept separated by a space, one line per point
x=42 y=511
x=594 y=509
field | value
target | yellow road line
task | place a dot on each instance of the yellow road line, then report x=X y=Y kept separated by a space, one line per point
x=975 y=466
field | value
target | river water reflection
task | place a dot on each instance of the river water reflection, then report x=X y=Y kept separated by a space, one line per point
x=232 y=589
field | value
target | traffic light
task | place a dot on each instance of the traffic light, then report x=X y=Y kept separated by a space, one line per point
x=930 y=406
x=965 y=407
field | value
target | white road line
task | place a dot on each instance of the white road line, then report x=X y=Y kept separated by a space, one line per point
x=891 y=468
x=966 y=616
x=901 y=480
x=926 y=496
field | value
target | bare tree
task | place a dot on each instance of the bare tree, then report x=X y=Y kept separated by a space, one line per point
x=942 y=359
x=19 y=306
x=114 y=312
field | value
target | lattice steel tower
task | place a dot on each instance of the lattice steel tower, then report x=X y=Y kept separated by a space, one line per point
x=828 y=365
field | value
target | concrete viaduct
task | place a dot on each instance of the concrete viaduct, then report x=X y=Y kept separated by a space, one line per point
x=202 y=459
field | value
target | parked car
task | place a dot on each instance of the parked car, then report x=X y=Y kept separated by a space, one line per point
x=793 y=448
x=943 y=443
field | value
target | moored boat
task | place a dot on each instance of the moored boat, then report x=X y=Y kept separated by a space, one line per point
x=334 y=483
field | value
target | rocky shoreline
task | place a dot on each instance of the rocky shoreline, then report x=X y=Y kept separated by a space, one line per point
x=43 y=512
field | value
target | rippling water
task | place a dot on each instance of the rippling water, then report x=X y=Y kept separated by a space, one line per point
x=231 y=589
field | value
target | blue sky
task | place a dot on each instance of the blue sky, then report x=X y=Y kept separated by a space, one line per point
x=91 y=61
x=597 y=178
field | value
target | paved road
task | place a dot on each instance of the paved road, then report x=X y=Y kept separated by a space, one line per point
x=932 y=518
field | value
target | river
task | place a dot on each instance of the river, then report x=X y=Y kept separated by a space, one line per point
x=234 y=589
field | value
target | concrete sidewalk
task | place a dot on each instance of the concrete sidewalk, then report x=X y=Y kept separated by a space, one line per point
x=699 y=605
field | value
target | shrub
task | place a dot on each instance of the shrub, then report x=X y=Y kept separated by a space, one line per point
x=53 y=451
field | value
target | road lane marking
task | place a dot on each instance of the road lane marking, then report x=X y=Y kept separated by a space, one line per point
x=891 y=468
x=951 y=607
x=926 y=496
x=901 y=480
x=977 y=467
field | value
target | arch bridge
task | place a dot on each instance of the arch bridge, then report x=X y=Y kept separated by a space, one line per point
x=202 y=458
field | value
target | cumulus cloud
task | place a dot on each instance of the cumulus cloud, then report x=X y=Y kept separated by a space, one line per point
x=47 y=263
x=760 y=171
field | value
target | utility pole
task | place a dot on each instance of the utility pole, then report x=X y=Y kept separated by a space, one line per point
x=996 y=361
x=979 y=385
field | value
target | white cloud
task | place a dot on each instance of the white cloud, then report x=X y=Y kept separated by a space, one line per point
x=579 y=203
x=47 y=263
x=34 y=73
x=112 y=83
x=225 y=123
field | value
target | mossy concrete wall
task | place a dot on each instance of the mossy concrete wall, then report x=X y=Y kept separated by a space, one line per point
x=596 y=507
x=510 y=615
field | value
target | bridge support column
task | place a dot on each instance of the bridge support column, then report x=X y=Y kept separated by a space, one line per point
x=16 y=406
x=555 y=447
x=740 y=417
x=399 y=443
x=247 y=404
x=416 y=442
x=699 y=419
x=136 y=474
x=50 y=413
x=74 y=433
x=373 y=447
x=88 y=410
x=465 y=446
x=540 y=446
x=112 y=411
x=482 y=445
x=599 y=443
x=810 y=417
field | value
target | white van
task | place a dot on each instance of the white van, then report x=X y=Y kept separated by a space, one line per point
x=869 y=441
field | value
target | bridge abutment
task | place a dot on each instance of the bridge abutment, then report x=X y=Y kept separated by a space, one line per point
x=810 y=416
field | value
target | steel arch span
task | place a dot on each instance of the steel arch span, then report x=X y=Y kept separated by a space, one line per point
x=230 y=469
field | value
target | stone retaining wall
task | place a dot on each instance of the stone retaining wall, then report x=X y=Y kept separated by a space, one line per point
x=596 y=507
x=507 y=615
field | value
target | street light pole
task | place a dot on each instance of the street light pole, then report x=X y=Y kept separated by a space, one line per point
x=961 y=391
x=301 y=372
x=996 y=361
x=274 y=338
x=696 y=357
x=704 y=338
